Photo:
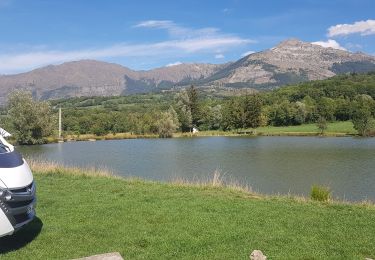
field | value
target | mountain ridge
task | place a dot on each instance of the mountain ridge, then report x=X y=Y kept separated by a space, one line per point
x=291 y=61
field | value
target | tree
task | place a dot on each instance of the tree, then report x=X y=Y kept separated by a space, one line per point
x=342 y=113
x=193 y=104
x=211 y=117
x=173 y=115
x=362 y=118
x=311 y=110
x=243 y=112
x=300 y=113
x=216 y=117
x=232 y=114
x=326 y=108
x=168 y=123
x=322 y=124
x=252 y=107
x=363 y=123
x=280 y=113
x=98 y=129
x=184 y=111
x=31 y=120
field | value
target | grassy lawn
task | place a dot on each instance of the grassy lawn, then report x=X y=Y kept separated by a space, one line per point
x=80 y=216
x=333 y=128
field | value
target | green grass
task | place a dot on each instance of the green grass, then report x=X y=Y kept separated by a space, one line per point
x=344 y=128
x=80 y=216
x=320 y=193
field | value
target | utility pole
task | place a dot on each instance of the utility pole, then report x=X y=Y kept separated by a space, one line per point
x=59 y=122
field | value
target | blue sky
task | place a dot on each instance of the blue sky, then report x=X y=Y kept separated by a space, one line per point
x=147 y=34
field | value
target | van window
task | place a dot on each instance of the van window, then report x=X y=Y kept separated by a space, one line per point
x=10 y=159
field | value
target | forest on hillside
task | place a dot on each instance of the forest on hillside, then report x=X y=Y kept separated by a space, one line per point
x=340 y=98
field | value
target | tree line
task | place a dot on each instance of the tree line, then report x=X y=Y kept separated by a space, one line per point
x=341 y=98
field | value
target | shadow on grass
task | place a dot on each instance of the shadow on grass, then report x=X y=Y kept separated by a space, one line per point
x=22 y=237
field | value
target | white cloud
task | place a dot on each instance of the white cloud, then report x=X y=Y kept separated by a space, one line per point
x=219 y=56
x=183 y=42
x=177 y=31
x=155 y=24
x=173 y=64
x=247 y=53
x=330 y=44
x=361 y=27
x=167 y=49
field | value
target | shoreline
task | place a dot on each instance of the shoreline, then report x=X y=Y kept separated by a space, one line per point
x=217 y=181
x=124 y=136
x=335 y=129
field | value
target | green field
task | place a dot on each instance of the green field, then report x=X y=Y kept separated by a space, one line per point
x=81 y=216
x=345 y=127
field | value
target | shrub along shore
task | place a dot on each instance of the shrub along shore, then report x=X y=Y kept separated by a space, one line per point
x=86 y=212
x=336 y=129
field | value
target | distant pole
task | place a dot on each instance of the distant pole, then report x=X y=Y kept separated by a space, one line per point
x=59 y=122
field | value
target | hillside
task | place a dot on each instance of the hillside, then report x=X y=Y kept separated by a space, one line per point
x=96 y=78
x=291 y=61
x=168 y=77
x=345 y=85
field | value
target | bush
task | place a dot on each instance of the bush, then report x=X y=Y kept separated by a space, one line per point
x=31 y=120
x=99 y=130
x=168 y=124
x=363 y=123
x=363 y=120
x=322 y=125
x=320 y=193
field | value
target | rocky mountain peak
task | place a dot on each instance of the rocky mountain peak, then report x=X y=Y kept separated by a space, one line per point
x=289 y=62
x=296 y=46
x=292 y=61
x=292 y=42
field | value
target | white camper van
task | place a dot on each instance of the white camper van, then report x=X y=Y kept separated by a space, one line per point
x=17 y=189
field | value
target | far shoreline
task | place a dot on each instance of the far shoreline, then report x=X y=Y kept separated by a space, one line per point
x=334 y=129
x=128 y=136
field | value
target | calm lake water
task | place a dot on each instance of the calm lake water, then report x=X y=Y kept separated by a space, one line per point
x=268 y=164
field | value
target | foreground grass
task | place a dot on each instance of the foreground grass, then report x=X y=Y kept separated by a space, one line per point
x=79 y=215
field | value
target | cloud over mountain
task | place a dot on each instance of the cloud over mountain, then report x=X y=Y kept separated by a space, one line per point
x=361 y=27
x=329 y=44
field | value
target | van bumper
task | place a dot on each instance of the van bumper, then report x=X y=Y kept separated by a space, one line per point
x=6 y=228
x=18 y=211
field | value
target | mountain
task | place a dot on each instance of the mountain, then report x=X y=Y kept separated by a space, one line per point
x=168 y=77
x=78 y=78
x=96 y=78
x=289 y=62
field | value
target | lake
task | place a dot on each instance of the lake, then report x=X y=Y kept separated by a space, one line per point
x=269 y=165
